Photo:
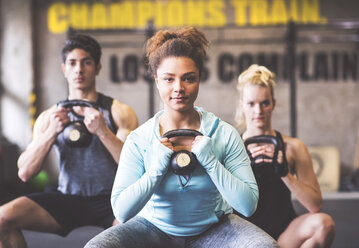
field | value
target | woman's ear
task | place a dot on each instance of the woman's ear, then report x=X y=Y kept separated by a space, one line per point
x=274 y=102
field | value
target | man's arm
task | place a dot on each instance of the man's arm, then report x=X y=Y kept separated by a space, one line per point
x=47 y=126
x=304 y=185
x=125 y=119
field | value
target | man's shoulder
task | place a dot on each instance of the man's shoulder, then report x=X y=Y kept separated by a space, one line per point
x=117 y=104
x=124 y=115
x=120 y=104
x=47 y=112
x=43 y=120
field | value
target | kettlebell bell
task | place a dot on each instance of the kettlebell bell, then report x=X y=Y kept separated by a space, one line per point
x=278 y=169
x=182 y=162
x=75 y=133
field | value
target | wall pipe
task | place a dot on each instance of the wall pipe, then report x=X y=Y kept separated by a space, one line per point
x=291 y=37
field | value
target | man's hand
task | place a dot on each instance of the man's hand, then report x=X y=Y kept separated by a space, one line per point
x=94 y=121
x=58 y=120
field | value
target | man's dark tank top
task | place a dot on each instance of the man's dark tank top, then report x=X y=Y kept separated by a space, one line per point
x=91 y=170
x=275 y=209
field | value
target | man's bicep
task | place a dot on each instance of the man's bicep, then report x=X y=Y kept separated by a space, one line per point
x=41 y=124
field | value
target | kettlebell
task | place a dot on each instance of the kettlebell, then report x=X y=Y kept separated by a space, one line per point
x=75 y=133
x=182 y=162
x=278 y=169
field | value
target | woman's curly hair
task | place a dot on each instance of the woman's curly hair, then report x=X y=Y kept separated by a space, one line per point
x=181 y=42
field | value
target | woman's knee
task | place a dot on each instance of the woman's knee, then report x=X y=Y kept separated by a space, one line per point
x=328 y=224
x=323 y=224
x=115 y=236
x=92 y=244
x=104 y=239
x=325 y=221
x=250 y=235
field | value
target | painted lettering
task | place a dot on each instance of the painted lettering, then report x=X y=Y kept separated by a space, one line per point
x=259 y=12
x=229 y=66
x=144 y=13
x=310 y=12
x=175 y=13
x=321 y=66
x=99 y=16
x=225 y=67
x=196 y=13
x=122 y=15
x=216 y=14
x=350 y=66
x=58 y=18
x=240 y=12
x=279 y=12
x=79 y=16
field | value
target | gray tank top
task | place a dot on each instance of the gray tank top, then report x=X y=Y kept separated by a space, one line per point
x=91 y=170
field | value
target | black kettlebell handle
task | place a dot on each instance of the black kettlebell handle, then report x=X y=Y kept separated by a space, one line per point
x=176 y=168
x=181 y=132
x=280 y=169
x=77 y=102
x=264 y=139
x=83 y=137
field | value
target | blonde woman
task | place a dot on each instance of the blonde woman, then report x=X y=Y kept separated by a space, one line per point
x=292 y=173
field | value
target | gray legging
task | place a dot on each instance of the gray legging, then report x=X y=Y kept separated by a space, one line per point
x=230 y=231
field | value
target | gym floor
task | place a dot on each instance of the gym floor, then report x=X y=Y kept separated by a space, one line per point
x=340 y=207
x=77 y=238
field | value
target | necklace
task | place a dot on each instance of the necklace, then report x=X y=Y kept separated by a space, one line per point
x=183 y=180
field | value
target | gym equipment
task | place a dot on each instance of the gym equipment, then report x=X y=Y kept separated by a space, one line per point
x=326 y=165
x=75 y=133
x=41 y=181
x=274 y=166
x=182 y=162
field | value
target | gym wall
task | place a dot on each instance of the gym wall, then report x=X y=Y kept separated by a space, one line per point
x=241 y=32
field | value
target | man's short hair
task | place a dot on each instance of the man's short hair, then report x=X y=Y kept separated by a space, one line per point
x=83 y=42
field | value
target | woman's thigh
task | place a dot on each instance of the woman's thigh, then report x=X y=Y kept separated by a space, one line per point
x=233 y=231
x=137 y=232
x=303 y=227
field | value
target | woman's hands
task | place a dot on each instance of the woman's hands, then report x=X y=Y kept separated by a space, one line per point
x=166 y=142
x=161 y=153
x=266 y=150
x=202 y=148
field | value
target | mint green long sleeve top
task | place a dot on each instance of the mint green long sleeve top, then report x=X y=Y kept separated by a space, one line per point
x=145 y=186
